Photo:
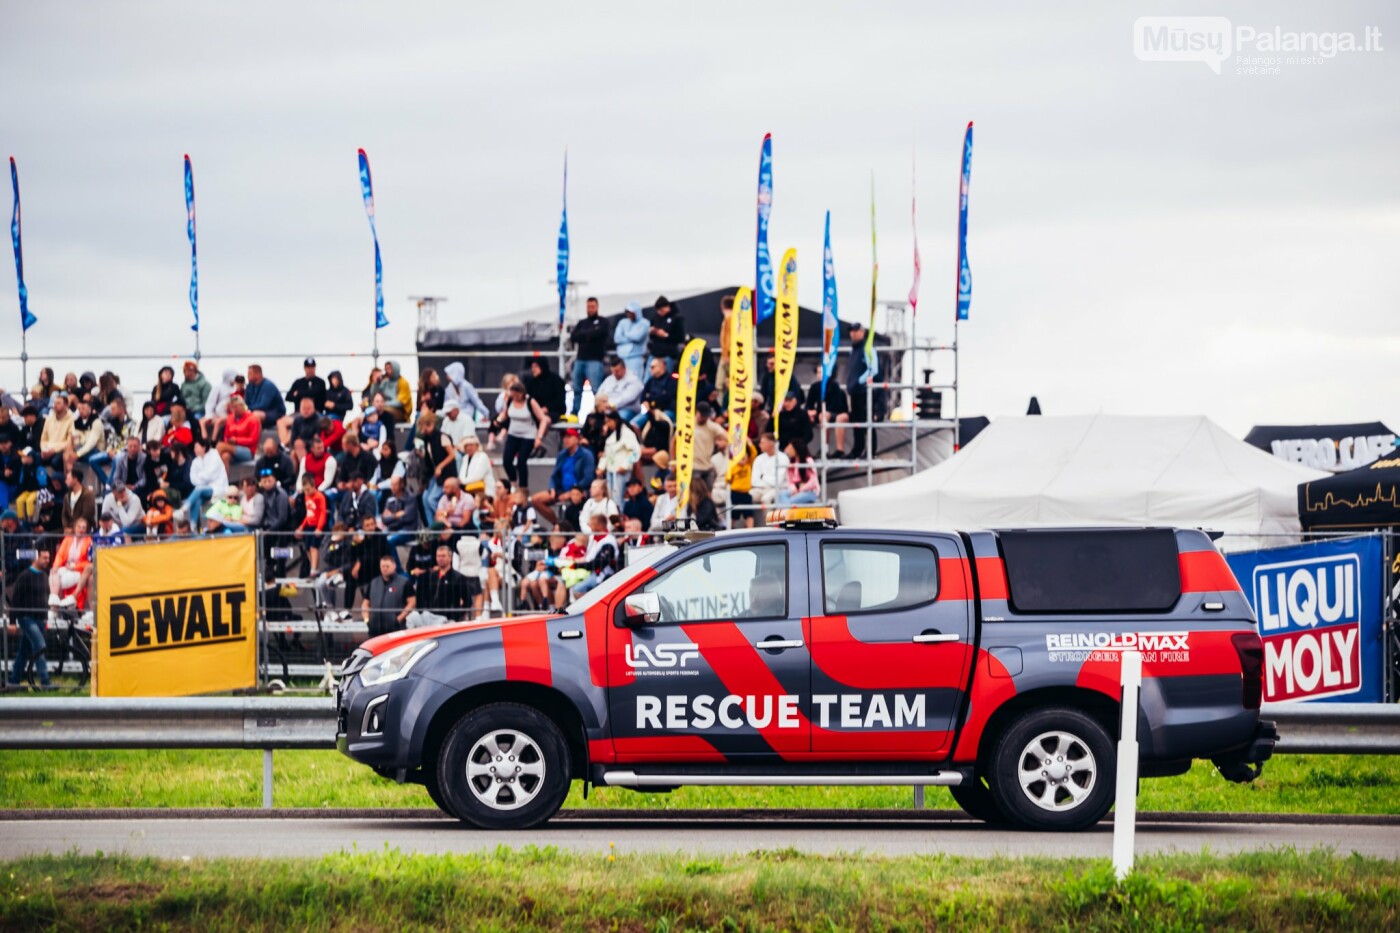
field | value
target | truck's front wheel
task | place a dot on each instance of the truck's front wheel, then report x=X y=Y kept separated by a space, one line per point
x=504 y=766
x=1054 y=769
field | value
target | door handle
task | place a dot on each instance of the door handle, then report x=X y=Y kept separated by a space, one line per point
x=935 y=638
x=778 y=644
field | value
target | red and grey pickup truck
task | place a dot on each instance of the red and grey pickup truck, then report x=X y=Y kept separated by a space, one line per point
x=987 y=662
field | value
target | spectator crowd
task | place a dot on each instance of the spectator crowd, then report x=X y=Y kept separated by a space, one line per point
x=415 y=504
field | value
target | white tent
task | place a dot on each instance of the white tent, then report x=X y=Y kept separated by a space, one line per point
x=1096 y=470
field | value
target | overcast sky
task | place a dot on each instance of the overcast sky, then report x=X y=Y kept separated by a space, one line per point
x=1145 y=237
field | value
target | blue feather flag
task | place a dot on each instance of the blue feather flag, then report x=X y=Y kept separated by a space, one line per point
x=831 y=323
x=764 y=304
x=367 y=189
x=26 y=319
x=964 y=270
x=189 y=230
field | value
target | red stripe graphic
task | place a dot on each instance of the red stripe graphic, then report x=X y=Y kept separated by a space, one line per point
x=991 y=688
x=991 y=578
x=1206 y=572
x=1211 y=654
x=854 y=663
x=527 y=651
x=953 y=580
x=652 y=748
x=737 y=664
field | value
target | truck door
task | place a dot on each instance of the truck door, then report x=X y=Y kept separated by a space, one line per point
x=891 y=641
x=724 y=672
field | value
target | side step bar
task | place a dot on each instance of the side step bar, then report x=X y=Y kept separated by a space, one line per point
x=633 y=779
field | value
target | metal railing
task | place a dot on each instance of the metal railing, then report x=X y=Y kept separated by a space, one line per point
x=270 y=723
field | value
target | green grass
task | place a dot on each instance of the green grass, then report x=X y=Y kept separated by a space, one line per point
x=67 y=779
x=543 y=889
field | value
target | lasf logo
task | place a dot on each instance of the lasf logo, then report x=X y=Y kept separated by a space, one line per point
x=660 y=656
x=1310 y=620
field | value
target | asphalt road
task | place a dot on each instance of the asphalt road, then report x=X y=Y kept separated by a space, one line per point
x=242 y=837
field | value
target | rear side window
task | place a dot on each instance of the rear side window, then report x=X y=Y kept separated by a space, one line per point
x=867 y=577
x=1127 y=570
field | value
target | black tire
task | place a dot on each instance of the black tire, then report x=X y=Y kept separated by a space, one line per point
x=1074 y=791
x=525 y=745
x=977 y=801
x=430 y=782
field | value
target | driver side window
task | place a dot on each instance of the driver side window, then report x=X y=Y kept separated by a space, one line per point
x=722 y=586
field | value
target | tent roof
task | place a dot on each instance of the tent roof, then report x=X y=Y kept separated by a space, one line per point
x=1093 y=470
x=1367 y=497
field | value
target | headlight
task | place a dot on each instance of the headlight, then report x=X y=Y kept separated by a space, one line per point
x=395 y=663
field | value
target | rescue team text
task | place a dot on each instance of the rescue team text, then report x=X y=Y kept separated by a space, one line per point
x=155 y=621
x=846 y=711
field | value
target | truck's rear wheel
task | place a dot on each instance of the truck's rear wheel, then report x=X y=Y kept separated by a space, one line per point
x=1054 y=769
x=503 y=766
x=977 y=801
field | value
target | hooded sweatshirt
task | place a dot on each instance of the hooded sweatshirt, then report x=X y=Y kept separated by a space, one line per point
x=464 y=393
x=216 y=405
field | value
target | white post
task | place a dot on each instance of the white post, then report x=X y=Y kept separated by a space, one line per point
x=1125 y=813
x=267 y=779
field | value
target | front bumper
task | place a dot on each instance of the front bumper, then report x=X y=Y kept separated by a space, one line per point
x=1244 y=764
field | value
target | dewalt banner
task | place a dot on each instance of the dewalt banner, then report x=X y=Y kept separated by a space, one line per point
x=176 y=619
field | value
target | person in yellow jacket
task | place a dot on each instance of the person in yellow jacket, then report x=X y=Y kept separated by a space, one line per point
x=739 y=476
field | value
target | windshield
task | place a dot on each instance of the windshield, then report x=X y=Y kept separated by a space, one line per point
x=604 y=589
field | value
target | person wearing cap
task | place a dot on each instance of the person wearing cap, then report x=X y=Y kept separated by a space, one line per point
x=574 y=466
x=622 y=388
x=590 y=338
x=630 y=334
x=194 y=390
x=308 y=385
x=667 y=333
x=123 y=506
x=475 y=470
x=225 y=510
x=455 y=424
x=160 y=515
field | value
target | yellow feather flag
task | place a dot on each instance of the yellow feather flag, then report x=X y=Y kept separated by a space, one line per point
x=784 y=332
x=741 y=370
x=685 y=420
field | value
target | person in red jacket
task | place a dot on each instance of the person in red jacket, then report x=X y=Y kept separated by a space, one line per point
x=309 y=531
x=241 y=433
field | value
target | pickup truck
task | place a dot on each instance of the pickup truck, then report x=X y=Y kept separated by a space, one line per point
x=807 y=653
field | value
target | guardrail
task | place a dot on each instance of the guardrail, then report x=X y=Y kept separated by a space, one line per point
x=270 y=723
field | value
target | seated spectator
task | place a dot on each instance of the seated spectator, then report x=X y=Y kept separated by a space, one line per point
x=455 y=508
x=57 y=436
x=152 y=427
x=356 y=501
x=276 y=506
x=280 y=465
x=31 y=428
x=398 y=394
x=134 y=469
x=225 y=509
x=302 y=426
x=431 y=392
x=194 y=390
x=656 y=431
x=28 y=486
x=264 y=398
x=802 y=485
x=320 y=467
x=793 y=421
x=90 y=440
x=241 y=433
x=78 y=502
x=160 y=515
x=476 y=471
x=42 y=392
x=400 y=513
x=216 y=405
x=308 y=385
x=388 y=464
x=177 y=429
x=636 y=505
x=120 y=426
x=702 y=507
x=546 y=387
x=622 y=388
x=659 y=390
x=455 y=425
x=422 y=556
x=108 y=533
x=165 y=391
x=769 y=471
x=570 y=508
x=461 y=391
x=208 y=477
x=251 y=509
x=72 y=568
x=370 y=428
x=443 y=593
x=338 y=401
x=437 y=457
x=123 y=506
x=333 y=433
x=598 y=504
x=601 y=560
x=354 y=459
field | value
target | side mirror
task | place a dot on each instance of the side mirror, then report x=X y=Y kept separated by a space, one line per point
x=641 y=609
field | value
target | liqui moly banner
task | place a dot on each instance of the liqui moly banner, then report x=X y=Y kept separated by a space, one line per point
x=1320 y=608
